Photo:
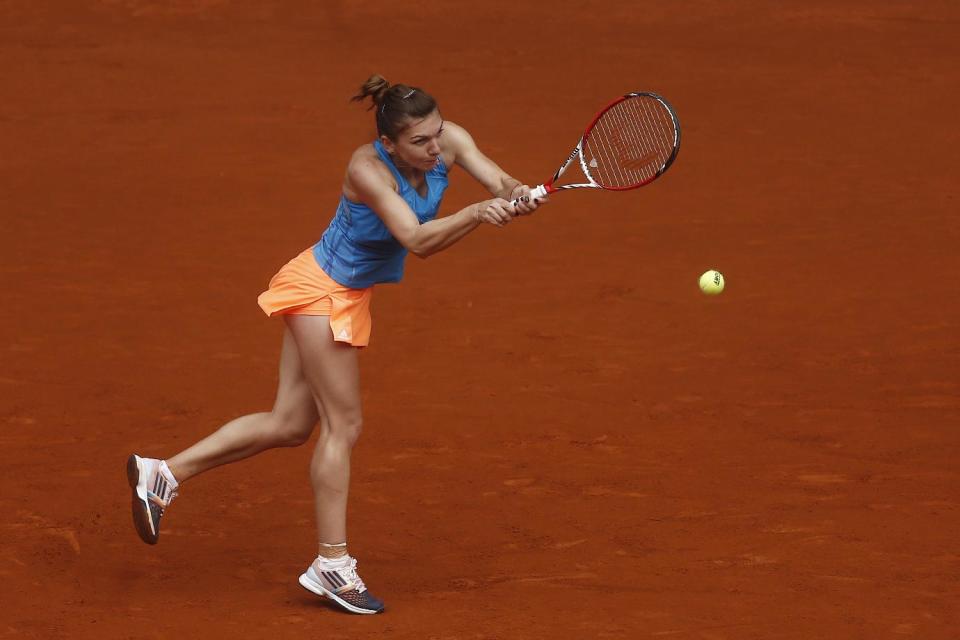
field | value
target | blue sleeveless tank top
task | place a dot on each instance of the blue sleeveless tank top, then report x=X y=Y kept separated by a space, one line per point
x=357 y=250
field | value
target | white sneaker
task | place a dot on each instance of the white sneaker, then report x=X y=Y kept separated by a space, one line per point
x=152 y=493
x=338 y=580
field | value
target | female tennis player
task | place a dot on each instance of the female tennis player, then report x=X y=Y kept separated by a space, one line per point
x=388 y=207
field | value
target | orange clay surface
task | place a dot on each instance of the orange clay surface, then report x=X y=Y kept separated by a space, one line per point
x=564 y=438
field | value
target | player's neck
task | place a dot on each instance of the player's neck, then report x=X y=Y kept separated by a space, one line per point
x=413 y=175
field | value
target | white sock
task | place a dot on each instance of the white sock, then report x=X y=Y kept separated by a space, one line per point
x=332 y=553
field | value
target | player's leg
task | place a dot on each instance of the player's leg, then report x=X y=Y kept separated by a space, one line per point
x=154 y=482
x=333 y=371
x=288 y=424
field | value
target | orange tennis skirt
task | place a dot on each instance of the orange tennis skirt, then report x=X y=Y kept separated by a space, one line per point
x=302 y=287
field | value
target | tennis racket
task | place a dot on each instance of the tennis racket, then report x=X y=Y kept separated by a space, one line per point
x=630 y=143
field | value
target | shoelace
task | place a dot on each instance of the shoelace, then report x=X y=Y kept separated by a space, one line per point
x=350 y=573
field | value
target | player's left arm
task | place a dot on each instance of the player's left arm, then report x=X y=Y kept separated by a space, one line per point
x=498 y=182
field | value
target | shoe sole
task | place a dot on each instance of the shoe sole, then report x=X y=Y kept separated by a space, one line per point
x=140 y=505
x=315 y=587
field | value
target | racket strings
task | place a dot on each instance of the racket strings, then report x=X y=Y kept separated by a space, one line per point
x=631 y=143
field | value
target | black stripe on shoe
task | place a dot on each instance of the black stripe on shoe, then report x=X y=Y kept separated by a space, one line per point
x=335 y=579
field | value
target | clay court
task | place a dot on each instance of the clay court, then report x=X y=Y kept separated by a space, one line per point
x=563 y=437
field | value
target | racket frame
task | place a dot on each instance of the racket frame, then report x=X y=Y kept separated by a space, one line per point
x=548 y=187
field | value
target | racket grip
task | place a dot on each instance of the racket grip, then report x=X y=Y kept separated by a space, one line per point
x=537 y=192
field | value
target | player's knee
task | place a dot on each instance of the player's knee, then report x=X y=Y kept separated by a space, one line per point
x=296 y=438
x=290 y=432
x=346 y=429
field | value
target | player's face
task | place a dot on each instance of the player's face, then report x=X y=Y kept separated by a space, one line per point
x=418 y=146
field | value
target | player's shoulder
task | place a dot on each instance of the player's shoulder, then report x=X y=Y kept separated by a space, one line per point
x=364 y=156
x=456 y=143
x=366 y=168
x=456 y=135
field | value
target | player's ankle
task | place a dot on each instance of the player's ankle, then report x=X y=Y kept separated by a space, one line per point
x=332 y=551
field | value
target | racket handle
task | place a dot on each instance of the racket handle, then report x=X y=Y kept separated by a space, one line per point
x=536 y=192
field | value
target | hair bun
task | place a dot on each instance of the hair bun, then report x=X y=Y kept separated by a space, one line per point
x=375 y=88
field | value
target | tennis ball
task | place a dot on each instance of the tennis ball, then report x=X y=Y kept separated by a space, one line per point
x=711 y=282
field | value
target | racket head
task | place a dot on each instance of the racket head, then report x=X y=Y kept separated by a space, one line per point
x=631 y=142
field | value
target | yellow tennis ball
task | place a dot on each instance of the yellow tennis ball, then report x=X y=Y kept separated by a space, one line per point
x=711 y=282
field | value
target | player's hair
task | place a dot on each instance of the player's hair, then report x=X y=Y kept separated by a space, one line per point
x=395 y=104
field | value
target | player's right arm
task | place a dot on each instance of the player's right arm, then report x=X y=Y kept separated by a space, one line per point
x=373 y=186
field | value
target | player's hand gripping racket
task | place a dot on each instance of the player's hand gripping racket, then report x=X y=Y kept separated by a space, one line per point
x=630 y=143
